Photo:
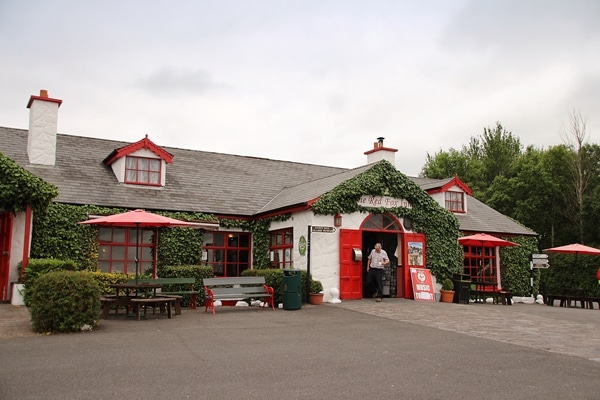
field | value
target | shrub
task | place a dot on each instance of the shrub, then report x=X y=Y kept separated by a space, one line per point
x=316 y=286
x=37 y=267
x=64 y=301
x=105 y=279
x=448 y=284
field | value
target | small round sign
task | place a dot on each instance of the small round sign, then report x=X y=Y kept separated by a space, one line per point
x=302 y=245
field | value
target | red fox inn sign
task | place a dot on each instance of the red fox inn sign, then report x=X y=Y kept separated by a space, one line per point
x=383 y=201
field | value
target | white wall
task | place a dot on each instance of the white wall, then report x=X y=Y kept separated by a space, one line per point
x=324 y=247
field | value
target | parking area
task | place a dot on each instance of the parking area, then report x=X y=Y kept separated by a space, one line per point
x=355 y=350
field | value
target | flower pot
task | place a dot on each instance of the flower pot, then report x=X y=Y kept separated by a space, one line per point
x=447 y=296
x=315 y=298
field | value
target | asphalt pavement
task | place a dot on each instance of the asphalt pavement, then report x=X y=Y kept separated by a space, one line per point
x=400 y=349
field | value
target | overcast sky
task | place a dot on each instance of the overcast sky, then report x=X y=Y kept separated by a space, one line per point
x=308 y=81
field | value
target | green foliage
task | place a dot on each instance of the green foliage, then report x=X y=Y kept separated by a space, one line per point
x=181 y=246
x=444 y=255
x=316 y=286
x=38 y=267
x=64 y=301
x=514 y=267
x=104 y=280
x=568 y=271
x=187 y=271
x=19 y=188
x=447 y=284
x=57 y=234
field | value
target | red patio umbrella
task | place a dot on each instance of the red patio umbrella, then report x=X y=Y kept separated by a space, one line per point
x=576 y=249
x=484 y=240
x=137 y=219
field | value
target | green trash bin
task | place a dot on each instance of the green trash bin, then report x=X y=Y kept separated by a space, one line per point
x=292 y=291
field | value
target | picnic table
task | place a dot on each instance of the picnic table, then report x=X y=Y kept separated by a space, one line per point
x=136 y=296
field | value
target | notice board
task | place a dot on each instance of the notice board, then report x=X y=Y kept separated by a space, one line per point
x=422 y=284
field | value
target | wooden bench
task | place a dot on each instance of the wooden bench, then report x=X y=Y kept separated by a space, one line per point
x=107 y=303
x=176 y=294
x=236 y=289
x=566 y=300
x=164 y=304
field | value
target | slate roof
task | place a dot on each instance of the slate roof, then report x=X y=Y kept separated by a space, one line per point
x=215 y=183
x=197 y=181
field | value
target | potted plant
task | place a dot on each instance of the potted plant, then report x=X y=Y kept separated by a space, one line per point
x=447 y=291
x=316 y=292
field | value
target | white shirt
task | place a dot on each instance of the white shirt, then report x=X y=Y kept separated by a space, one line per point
x=378 y=260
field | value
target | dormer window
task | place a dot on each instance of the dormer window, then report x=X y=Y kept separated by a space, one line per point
x=142 y=171
x=454 y=201
x=141 y=163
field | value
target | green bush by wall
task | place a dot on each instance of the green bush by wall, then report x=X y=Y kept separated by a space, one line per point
x=64 y=301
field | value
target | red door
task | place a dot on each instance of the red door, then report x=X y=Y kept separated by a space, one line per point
x=5 y=230
x=350 y=267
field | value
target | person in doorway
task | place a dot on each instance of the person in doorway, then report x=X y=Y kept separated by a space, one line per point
x=378 y=259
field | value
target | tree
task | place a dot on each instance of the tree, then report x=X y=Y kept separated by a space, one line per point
x=579 y=170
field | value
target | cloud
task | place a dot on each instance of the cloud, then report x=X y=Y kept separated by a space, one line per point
x=176 y=81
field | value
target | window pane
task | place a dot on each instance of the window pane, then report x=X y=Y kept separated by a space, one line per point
x=118 y=252
x=219 y=239
x=104 y=253
x=118 y=235
x=244 y=240
x=130 y=162
x=154 y=165
x=154 y=178
x=143 y=164
x=105 y=234
x=148 y=236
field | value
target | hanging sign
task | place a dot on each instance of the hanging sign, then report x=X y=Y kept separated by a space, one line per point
x=323 y=229
x=422 y=284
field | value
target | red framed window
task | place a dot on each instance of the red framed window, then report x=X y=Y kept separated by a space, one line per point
x=228 y=253
x=142 y=171
x=455 y=201
x=117 y=250
x=477 y=267
x=280 y=248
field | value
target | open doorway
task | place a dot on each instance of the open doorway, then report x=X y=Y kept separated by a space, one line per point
x=389 y=243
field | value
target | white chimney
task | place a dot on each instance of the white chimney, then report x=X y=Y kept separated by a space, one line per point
x=379 y=152
x=43 y=126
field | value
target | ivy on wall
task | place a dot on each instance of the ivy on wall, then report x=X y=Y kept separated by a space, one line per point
x=444 y=254
x=19 y=187
x=57 y=234
x=514 y=266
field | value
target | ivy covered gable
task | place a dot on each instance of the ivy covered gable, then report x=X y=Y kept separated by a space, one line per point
x=19 y=187
x=444 y=254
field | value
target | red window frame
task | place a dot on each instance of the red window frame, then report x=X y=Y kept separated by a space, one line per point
x=228 y=253
x=472 y=263
x=117 y=250
x=143 y=171
x=454 y=201
x=280 y=248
